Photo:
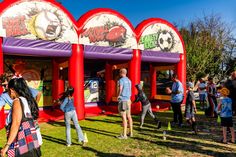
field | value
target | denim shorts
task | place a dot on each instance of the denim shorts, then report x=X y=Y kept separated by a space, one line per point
x=189 y=115
x=202 y=97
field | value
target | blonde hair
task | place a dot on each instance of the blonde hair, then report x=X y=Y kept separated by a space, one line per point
x=123 y=71
x=224 y=91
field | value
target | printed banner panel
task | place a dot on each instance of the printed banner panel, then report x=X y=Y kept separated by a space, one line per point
x=37 y=20
x=108 y=30
x=160 y=37
x=36 y=72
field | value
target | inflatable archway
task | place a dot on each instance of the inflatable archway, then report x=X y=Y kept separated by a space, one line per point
x=40 y=28
x=161 y=42
x=106 y=34
x=43 y=28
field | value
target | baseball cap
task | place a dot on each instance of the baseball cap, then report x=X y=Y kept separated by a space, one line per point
x=189 y=84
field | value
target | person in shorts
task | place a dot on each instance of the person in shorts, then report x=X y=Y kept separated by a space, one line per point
x=190 y=108
x=225 y=110
x=124 y=103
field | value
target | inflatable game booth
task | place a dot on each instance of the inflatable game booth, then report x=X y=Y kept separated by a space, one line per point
x=36 y=37
x=40 y=40
x=162 y=54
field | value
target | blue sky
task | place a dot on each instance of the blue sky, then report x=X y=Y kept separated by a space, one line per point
x=178 y=11
x=174 y=11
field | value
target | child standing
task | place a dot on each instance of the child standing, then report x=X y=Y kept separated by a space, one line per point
x=67 y=106
x=190 y=108
x=146 y=106
x=225 y=109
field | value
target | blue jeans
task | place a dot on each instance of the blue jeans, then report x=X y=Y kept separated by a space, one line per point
x=68 y=116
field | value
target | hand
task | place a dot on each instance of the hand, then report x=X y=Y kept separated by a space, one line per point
x=4 y=151
x=168 y=90
x=195 y=110
x=119 y=98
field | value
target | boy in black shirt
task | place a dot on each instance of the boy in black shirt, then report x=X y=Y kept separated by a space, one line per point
x=190 y=108
x=146 y=106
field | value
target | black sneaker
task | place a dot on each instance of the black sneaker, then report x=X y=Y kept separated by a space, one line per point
x=158 y=124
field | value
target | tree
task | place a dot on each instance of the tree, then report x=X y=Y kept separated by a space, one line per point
x=207 y=42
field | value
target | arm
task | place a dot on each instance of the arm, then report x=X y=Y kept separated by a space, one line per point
x=179 y=90
x=137 y=98
x=120 y=88
x=65 y=101
x=2 y=103
x=194 y=106
x=16 y=121
x=38 y=96
x=219 y=106
x=192 y=97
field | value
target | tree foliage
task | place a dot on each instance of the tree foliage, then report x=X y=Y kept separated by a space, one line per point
x=207 y=42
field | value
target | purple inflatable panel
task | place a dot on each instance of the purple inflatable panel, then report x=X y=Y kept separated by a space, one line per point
x=25 y=47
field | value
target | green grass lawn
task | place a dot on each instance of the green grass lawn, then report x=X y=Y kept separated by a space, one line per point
x=101 y=132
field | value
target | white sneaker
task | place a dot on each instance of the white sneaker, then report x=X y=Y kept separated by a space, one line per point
x=121 y=137
x=68 y=145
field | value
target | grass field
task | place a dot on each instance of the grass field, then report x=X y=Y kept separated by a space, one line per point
x=101 y=132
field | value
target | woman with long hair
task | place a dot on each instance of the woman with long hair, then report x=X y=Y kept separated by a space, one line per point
x=67 y=106
x=23 y=112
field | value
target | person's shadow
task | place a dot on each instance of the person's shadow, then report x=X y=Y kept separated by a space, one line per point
x=53 y=139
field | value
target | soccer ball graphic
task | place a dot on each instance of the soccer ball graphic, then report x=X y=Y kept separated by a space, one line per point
x=47 y=25
x=165 y=41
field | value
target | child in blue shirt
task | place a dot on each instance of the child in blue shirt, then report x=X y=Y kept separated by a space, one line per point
x=225 y=110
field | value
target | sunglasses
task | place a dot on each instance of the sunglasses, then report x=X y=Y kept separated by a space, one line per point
x=4 y=85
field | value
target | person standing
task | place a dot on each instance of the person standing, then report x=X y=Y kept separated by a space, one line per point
x=202 y=93
x=211 y=93
x=146 y=107
x=22 y=139
x=177 y=96
x=67 y=106
x=225 y=110
x=124 y=104
x=231 y=85
x=5 y=99
x=190 y=108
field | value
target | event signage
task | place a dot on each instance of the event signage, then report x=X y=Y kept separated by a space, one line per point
x=37 y=20
x=108 y=30
x=160 y=37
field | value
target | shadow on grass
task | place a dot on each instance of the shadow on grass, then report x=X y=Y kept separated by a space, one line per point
x=89 y=129
x=103 y=120
x=53 y=139
x=191 y=146
x=102 y=154
x=56 y=123
x=102 y=132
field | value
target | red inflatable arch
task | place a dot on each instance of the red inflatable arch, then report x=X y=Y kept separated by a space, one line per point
x=106 y=34
x=32 y=33
x=162 y=47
